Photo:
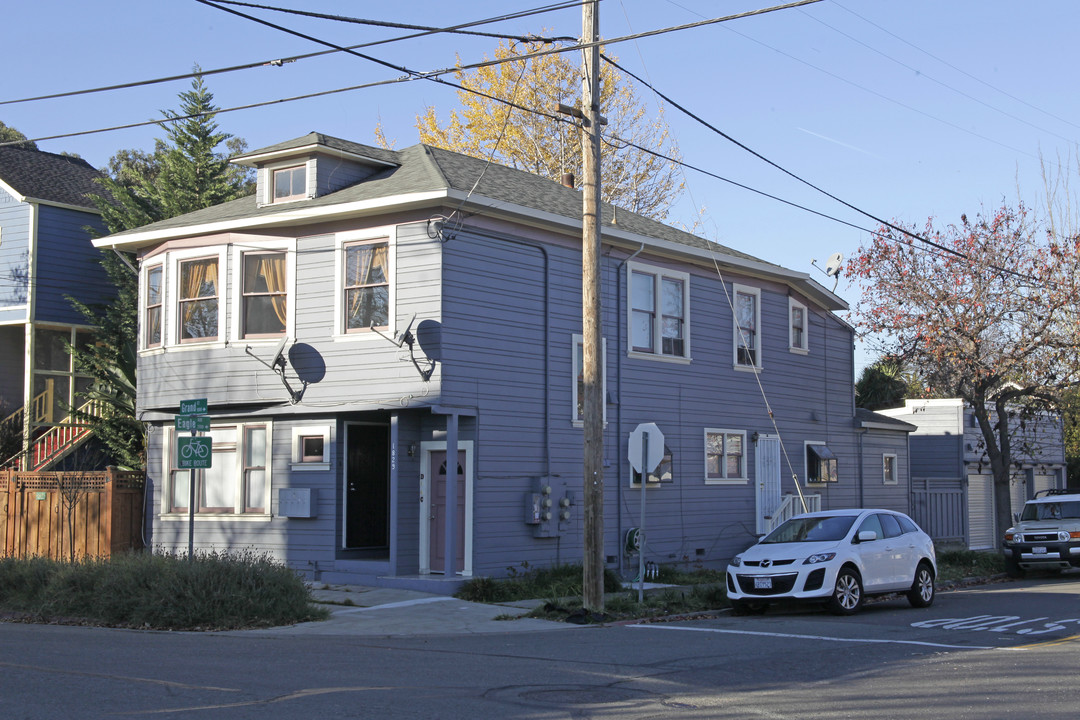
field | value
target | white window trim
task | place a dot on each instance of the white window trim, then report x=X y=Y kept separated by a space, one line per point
x=736 y=341
x=579 y=339
x=658 y=273
x=388 y=233
x=144 y=296
x=237 y=300
x=744 y=479
x=167 y=451
x=895 y=470
x=803 y=349
x=171 y=322
x=265 y=181
x=297 y=452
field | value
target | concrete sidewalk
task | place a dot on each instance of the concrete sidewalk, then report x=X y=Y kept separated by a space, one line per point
x=369 y=611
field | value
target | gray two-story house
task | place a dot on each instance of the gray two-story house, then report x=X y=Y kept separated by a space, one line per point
x=45 y=257
x=389 y=344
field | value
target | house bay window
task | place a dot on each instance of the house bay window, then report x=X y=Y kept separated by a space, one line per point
x=367 y=285
x=265 y=294
x=747 y=324
x=152 y=322
x=238 y=479
x=657 y=306
x=725 y=455
x=198 y=303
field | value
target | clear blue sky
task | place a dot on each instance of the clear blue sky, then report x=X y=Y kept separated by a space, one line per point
x=904 y=109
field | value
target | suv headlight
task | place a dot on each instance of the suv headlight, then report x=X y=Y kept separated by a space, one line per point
x=1063 y=536
x=819 y=558
x=736 y=561
x=1010 y=535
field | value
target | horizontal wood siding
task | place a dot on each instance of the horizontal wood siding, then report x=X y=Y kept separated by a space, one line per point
x=67 y=264
x=359 y=373
x=493 y=334
x=14 y=257
x=875 y=445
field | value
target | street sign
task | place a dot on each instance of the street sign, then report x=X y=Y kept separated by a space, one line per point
x=193 y=407
x=194 y=453
x=655 y=451
x=192 y=423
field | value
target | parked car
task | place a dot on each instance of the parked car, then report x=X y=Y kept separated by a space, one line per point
x=837 y=557
x=1046 y=535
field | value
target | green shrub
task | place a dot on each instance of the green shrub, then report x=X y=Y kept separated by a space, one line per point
x=212 y=590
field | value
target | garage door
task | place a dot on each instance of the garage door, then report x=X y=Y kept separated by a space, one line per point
x=1017 y=493
x=981 y=535
x=1043 y=482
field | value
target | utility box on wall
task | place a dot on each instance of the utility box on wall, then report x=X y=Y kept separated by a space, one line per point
x=296 y=502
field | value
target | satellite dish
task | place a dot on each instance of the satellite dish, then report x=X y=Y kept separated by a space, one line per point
x=278 y=358
x=834 y=264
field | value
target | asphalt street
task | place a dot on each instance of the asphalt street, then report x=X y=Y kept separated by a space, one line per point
x=1002 y=650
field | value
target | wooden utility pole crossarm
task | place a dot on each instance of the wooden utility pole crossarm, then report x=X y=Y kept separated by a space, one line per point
x=593 y=420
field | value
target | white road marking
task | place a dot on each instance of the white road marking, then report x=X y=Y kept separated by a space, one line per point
x=816 y=637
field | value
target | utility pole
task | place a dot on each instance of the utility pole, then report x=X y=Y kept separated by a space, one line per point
x=593 y=420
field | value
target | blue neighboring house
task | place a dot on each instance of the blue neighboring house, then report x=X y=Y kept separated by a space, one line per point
x=389 y=346
x=46 y=254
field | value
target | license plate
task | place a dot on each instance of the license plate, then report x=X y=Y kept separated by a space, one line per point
x=765 y=583
x=1038 y=550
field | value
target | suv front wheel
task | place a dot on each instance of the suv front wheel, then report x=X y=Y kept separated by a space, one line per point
x=847 y=595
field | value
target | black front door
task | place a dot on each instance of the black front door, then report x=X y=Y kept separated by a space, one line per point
x=367 y=487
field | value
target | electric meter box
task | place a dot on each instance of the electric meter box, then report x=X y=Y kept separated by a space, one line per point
x=296 y=502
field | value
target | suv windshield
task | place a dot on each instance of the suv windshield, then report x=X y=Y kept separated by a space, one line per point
x=812 y=529
x=1051 y=510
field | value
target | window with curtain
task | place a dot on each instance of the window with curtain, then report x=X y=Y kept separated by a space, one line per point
x=153 y=306
x=238 y=480
x=367 y=286
x=198 y=303
x=725 y=458
x=265 y=294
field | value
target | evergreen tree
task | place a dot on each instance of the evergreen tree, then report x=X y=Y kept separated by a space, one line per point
x=186 y=172
x=10 y=134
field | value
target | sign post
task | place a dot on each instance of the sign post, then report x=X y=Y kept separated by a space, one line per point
x=645 y=450
x=193 y=453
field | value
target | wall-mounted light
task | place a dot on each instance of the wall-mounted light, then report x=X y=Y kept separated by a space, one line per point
x=410 y=450
x=754 y=436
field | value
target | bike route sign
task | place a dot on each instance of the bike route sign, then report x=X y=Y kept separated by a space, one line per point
x=194 y=453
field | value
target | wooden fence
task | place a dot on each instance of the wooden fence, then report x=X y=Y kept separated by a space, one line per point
x=38 y=511
x=940 y=511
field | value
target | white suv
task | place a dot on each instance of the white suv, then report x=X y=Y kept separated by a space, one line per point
x=835 y=557
x=1046 y=535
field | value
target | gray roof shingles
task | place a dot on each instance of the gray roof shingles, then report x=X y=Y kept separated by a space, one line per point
x=422 y=168
x=46 y=176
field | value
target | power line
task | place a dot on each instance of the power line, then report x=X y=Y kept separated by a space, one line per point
x=957 y=69
x=278 y=62
x=935 y=80
x=430 y=75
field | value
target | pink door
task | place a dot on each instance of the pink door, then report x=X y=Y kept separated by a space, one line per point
x=437 y=522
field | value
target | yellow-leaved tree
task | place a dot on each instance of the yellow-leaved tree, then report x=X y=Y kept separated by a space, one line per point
x=535 y=142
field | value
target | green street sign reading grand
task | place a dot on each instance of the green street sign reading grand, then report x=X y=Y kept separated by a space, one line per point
x=193 y=407
x=194 y=453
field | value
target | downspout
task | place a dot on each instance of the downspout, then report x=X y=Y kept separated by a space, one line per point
x=618 y=394
x=862 y=479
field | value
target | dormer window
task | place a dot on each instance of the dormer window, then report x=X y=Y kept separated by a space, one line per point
x=290 y=183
